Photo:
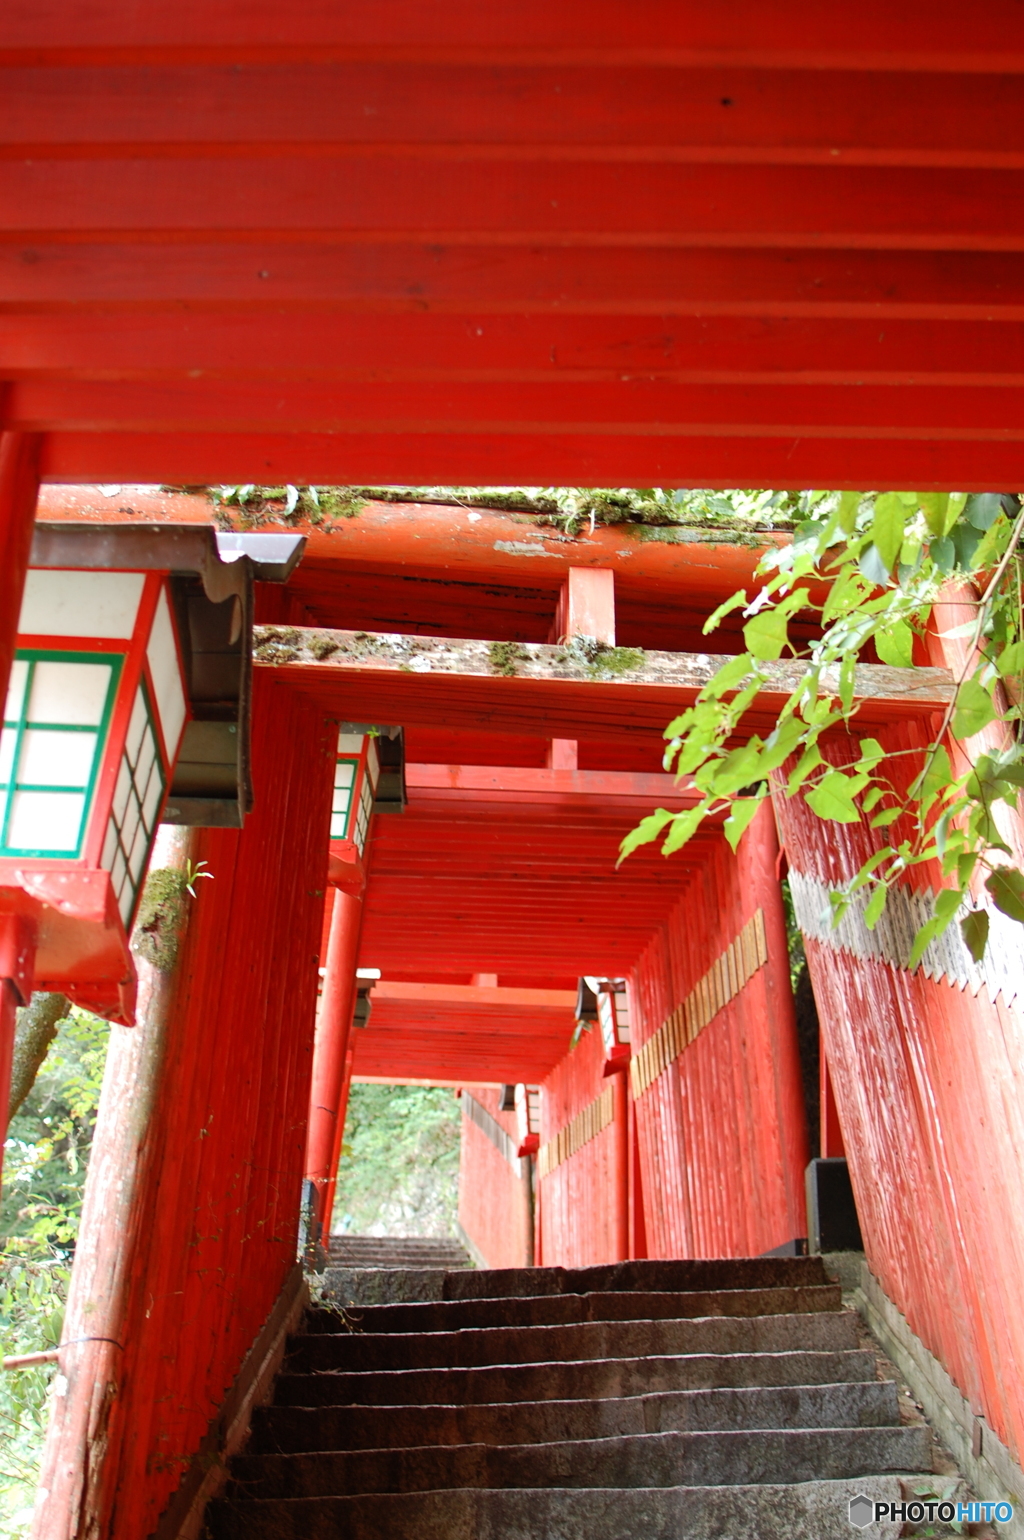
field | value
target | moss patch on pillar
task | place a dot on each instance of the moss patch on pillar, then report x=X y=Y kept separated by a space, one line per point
x=161 y=918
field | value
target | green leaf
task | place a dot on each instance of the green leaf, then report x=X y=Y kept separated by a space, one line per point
x=895 y=644
x=847 y=679
x=974 y=929
x=943 y=554
x=886 y=530
x=1006 y=885
x=743 y=810
x=875 y=905
x=922 y=941
x=1011 y=660
x=871 y=754
x=832 y=798
x=873 y=567
x=781 y=743
x=982 y=509
x=974 y=708
x=934 y=779
x=883 y=819
x=736 y=770
x=766 y=635
x=935 y=506
x=729 y=676
x=849 y=503
x=734 y=603
x=809 y=761
x=646 y=830
x=684 y=826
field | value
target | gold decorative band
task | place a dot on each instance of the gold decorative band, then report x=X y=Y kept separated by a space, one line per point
x=586 y=1125
x=722 y=983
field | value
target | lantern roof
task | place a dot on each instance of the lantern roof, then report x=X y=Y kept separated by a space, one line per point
x=223 y=560
x=207 y=568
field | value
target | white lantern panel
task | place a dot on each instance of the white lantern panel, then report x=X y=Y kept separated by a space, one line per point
x=363 y=814
x=350 y=743
x=341 y=801
x=136 y=729
x=122 y=792
x=52 y=757
x=165 y=672
x=50 y=750
x=16 y=690
x=45 y=822
x=7 y=741
x=80 y=603
x=136 y=806
x=69 y=693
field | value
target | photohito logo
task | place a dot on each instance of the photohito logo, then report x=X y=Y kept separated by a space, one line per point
x=864 y=1511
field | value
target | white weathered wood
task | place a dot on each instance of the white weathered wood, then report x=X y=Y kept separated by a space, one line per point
x=362 y=652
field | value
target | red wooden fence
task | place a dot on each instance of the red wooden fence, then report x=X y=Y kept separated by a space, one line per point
x=218 y=1236
x=577 y=1220
x=928 y=1074
x=493 y=1201
x=722 y=1128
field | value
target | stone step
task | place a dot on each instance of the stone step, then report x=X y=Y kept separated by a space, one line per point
x=347 y=1285
x=648 y=1459
x=813 y=1510
x=299 y=1430
x=821 y=1332
x=563 y=1309
x=569 y=1381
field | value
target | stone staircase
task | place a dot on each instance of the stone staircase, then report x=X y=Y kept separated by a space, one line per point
x=716 y=1400
x=390 y=1251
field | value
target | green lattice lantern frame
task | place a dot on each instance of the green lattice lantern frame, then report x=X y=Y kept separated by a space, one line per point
x=118 y=630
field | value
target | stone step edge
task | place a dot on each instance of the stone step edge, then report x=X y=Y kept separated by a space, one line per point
x=820 y=1508
x=565 y=1406
x=816 y=1290
x=298 y=1339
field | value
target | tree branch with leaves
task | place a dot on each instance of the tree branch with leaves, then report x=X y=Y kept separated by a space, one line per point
x=870 y=569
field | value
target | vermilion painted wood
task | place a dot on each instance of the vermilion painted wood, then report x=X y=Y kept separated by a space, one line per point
x=759 y=257
x=491 y=1209
x=229 y=1130
x=554 y=109
x=581 y=1222
x=445 y=1031
x=19 y=486
x=582 y=298
x=472 y=997
x=549 y=787
x=722 y=1132
x=928 y=1092
x=795 y=455
x=916 y=36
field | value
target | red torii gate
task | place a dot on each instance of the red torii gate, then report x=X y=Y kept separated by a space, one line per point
x=519 y=243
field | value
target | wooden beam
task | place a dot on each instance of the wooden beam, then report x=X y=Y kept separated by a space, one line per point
x=497 y=997
x=516 y=786
x=433 y=682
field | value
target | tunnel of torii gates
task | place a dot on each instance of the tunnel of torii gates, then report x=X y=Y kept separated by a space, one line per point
x=517 y=243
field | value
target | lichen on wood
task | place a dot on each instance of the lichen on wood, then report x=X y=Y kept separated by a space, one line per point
x=504 y=656
x=35 y=1029
x=161 y=918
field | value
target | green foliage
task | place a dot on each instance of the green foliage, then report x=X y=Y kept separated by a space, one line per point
x=399 y=1170
x=655 y=511
x=868 y=569
x=32 y=1296
x=45 y=1158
